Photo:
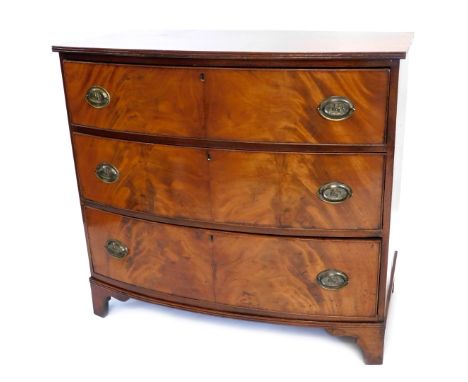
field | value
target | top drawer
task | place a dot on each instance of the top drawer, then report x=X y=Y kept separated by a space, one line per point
x=253 y=105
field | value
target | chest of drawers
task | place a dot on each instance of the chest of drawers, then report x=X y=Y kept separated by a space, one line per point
x=241 y=174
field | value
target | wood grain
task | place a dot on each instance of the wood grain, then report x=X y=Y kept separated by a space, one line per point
x=143 y=99
x=164 y=180
x=297 y=232
x=261 y=105
x=238 y=145
x=279 y=274
x=280 y=190
x=218 y=267
x=169 y=259
x=266 y=105
x=234 y=187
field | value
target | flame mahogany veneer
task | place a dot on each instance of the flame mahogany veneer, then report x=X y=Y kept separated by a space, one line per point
x=203 y=168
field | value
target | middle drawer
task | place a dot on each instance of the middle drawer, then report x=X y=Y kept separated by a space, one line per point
x=263 y=189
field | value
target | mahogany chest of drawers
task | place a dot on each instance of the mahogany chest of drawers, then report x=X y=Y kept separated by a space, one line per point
x=241 y=174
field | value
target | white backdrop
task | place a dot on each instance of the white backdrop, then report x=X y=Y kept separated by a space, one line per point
x=47 y=329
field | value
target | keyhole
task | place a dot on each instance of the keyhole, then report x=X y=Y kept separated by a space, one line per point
x=202 y=77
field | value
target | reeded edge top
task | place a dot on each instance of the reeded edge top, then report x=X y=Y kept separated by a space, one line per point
x=231 y=55
x=248 y=45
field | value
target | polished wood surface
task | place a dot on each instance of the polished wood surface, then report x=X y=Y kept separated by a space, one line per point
x=208 y=61
x=234 y=187
x=237 y=145
x=298 y=232
x=281 y=105
x=164 y=180
x=218 y=266
x=279 y=274
x=101 y=297
x=246 y=45
x=169 y=259
x=228 y=104
x=167 y=101
x=280 y=189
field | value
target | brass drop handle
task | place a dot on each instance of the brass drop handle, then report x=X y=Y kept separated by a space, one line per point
x=107 y=172
x=332 y=279
x=116 y=249
x=97 y=97
x=336 y=108
x=334 y=192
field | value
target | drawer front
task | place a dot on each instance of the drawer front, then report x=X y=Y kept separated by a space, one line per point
x=281 y=189
x=264 y=189
x=281 y=105
x=165 y=180
x=160 y=257
x=142 y=99
x=280 y=274
x=260 y=105
x=264 y=273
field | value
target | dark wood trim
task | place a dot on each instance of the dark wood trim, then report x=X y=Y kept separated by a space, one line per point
x=101 y=296
x=369 y=339
x=230 y=63
x=178 y=54
x=388 y=184
x=224 y=310
x=292 y=232
x=232 y=145
x=391 y=284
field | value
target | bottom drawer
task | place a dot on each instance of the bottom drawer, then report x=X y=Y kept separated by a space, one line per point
x=254 y=272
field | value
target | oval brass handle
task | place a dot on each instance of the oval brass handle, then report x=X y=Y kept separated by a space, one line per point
x=97 y=97
x=116 y=249
x=107 y=172
x=334 y=192
x=332 y=279
x=336 y=108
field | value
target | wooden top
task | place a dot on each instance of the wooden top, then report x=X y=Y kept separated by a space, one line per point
x=248 y=45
